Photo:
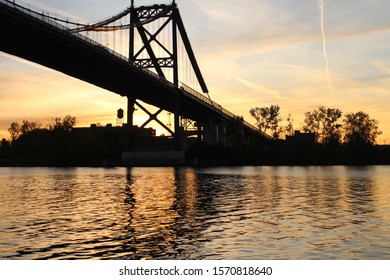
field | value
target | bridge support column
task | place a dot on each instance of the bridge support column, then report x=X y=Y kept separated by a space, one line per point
x=130 y=122
x=214 y=133
x=221 y=129
x=199 y=132
x=178 y=129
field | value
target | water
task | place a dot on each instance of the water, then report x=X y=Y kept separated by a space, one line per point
x=185 y=213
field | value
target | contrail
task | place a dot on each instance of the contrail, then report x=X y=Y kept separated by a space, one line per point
x=327 y=72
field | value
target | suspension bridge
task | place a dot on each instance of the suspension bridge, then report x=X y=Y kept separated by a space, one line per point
x=142 y=53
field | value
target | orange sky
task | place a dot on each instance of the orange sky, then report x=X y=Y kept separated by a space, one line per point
x=252 y=53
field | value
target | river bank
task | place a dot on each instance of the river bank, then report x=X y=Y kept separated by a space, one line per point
x=219 y=156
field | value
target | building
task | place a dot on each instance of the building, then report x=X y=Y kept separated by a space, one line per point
x=96 y=141
x=301 y=139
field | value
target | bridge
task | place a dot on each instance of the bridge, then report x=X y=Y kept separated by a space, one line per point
x=149 y=70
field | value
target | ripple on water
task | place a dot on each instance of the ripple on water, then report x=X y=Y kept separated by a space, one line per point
x=185 y=213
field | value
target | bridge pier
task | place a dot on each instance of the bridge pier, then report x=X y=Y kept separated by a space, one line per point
x=159 y=153
x=130 y=122
x=178 y=129
x=214 y=133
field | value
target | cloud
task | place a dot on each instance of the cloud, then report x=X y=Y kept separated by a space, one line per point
x=85 y=11
x=324 y=48
x=263 y=90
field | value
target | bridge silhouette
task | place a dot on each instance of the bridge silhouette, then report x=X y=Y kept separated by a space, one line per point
x=149 y=70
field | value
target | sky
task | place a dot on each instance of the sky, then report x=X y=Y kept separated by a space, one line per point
x=298 y=54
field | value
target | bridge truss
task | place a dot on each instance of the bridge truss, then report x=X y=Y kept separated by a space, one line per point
x=157 y=41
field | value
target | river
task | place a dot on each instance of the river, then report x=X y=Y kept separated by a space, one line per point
x=334 y=212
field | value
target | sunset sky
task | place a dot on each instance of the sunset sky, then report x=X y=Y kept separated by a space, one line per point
x=298 y=54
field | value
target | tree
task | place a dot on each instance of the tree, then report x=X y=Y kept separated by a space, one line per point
x=324 y=122
x=28 y=126
x=268 y=118
x=331 y=133
x=289 y=130
x=4 y=144
x=65 y=125
x=31 y=141
x=61 y=130
x=360 y=129
x=14 y=131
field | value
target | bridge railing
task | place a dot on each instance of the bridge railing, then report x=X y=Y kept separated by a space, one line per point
x=188 y=91
x=41 y=16
x=220 y=109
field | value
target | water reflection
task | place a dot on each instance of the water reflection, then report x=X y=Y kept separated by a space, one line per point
x=186 y=213
x=162 y=213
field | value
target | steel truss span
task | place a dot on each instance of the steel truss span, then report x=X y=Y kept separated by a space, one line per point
x=57 y=43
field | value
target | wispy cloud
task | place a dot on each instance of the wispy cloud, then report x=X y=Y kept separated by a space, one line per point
x=324 y=49
x=264 y=91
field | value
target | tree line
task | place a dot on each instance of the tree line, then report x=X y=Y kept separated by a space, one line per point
x=328 y=124
x=32 y=140
x=341 y=139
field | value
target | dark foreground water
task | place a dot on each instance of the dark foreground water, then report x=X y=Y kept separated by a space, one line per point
x=186 y=213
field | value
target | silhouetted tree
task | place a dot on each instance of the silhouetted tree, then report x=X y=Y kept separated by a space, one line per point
x=4 y=143
x=14 y=131
x=28 y=126
x=5 y=148
x=360 y=129
x=324 y=122
x=61 y=131
x=31 y=141
x=239 y=119
x=66 y=124
x=268 y=118
x=289 y=130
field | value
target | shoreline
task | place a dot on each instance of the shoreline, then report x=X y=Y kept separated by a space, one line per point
x=202 y=164
x=277 y=155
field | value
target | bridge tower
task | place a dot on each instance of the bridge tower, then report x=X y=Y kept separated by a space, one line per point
x=146 y=56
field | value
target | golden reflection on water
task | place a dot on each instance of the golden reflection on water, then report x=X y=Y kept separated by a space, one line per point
x=306 y=212
x=186 y=213
x=157 y=209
